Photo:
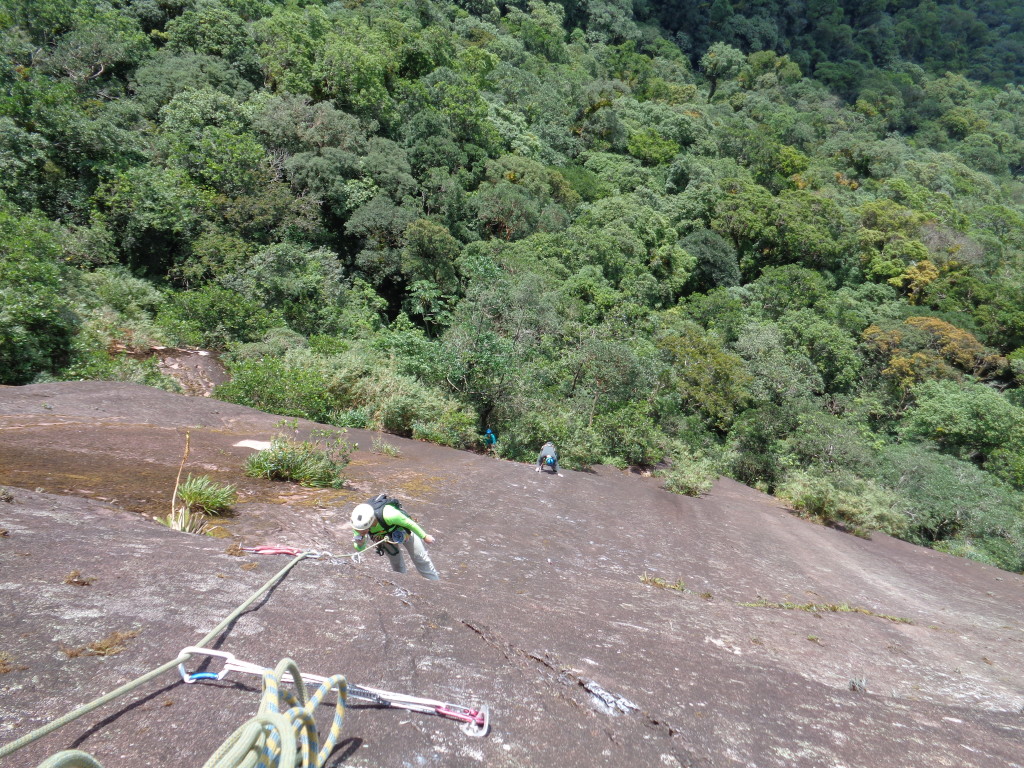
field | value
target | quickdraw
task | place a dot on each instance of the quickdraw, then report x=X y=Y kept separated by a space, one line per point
x=474 y=721
x=311 y=554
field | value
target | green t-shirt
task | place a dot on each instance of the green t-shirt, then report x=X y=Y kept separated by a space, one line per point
x=394 y=517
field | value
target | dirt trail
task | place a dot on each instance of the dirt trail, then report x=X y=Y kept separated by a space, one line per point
x=549 y=586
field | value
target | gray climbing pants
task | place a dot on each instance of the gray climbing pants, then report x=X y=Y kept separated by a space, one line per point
x=418 y=554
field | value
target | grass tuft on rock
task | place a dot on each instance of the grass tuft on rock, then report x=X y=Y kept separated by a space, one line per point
x=206 y=496
x=310 y=464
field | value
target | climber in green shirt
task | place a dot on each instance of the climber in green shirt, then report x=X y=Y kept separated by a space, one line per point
x=382 y=518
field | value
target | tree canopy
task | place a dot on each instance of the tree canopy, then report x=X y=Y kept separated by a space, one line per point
x=778 y=241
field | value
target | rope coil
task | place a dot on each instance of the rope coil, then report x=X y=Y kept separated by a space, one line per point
x=272 y=738
x=276 y=738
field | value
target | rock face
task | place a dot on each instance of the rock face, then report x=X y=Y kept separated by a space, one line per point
x=602 y=619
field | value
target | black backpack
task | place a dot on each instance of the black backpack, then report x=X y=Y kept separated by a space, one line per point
x=378 y=503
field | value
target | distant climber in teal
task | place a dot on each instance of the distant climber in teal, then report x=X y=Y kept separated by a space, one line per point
x=490 y=440
x=382 y=519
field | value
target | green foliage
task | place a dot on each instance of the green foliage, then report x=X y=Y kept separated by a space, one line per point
x=211 y=317
x=651 y=148
x=163 y=76
x=825 y=442
x=117 y=289
x=37 y=323
x=506 y=211
x=690 y=475
x=356 y=388
x=288 y=42
x=311 y=464
x=212 y=29
x=585 y=183
x=710 y=380
x=383 y=447
x=946 y=499
x=968 y=420
x=401 y=405
x=541 y=30
x=205 y=496
x=429 y=261
x=630 y=434
x=721 y=61
x=90 y=358
x=783 y=239
x=780 y=374
x=788 y=288
x=153 y=213
x=844 y=500
x=833 y=351
x=716 y=263
x=1008 y=465
x=756 y=454
x=273 y=385
x=304 y=285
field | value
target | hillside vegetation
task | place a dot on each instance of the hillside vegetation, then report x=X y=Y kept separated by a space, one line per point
x=641 y=233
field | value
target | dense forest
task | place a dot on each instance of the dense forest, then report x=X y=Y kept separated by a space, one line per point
x=782 y=242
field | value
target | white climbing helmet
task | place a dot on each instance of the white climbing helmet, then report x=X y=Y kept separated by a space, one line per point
x=362 y=517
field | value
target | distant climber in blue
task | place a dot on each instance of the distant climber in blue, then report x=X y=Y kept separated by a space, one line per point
x=490 y=439
x=548 y=458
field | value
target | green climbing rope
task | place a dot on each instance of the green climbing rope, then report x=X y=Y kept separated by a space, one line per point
x=77 y=759
x=70 y=758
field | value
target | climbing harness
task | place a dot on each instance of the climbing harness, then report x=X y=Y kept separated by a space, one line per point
x=475 y=722
x=269 y=739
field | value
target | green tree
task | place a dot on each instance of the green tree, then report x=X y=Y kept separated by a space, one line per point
x=288 y=43
x=650 y=147
x=716 y=264
x=721 y=61
x=304 y=284
x=154 y=213
x=969 y=420
x=782 y=376
x=356 y=74
x=710 y=381
x=101 y=45
x=212 y=317
x=37 y=322
x=214 y=29
x=430 y=254
x=506 y=211
x=953 y=505
x=833 y=351
x=541 y=30
x=164 y=75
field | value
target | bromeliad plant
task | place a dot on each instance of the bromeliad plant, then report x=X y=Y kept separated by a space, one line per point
x=196 y=498
x=206 y=496
x=186 y=522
